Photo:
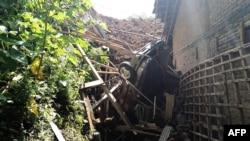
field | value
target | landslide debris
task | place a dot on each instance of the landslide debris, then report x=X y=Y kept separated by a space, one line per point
x=134 y=31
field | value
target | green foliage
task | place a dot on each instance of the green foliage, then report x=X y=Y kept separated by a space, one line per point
x=98 y=54
x=39 y=81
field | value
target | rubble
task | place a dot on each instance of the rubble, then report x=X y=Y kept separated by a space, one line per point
x=119 y=108
x=135 y=31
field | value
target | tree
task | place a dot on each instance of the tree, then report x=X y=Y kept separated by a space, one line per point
x=39 y=81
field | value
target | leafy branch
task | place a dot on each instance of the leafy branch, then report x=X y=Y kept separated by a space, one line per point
x=29 y=29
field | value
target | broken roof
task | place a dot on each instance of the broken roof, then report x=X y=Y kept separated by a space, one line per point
x=167 y=11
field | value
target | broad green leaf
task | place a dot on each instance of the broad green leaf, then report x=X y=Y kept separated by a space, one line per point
x=52 y=13
x=82 y=43
x=60 y=51
x=60 y=16
x=77 y=52
x=73 y=61
x=27 y=15
x=18 y=56
x=11 y=41
x=70 y=12
x=9 y=64
x=58 y=35
x=2 y=60
x=7 y=3
x=2 y=97
x=87 y=3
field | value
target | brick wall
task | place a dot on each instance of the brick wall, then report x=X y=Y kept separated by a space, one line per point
x=217 y=92
x=209 y=49
x=207 y=28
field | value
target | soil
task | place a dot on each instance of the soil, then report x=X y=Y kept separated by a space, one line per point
x=135 y=31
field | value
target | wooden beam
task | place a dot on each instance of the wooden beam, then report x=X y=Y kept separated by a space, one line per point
x=165 y=133
x=109 y=43
x=105 y=66
x=91 y=84
x=105 y=95
x=107 y=72
x=105 y=89
x=169 y=105
x=57 y=132
x=89 y=111
x=124 y=128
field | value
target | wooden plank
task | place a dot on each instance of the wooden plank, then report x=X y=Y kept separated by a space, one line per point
x=105 y=89
x=57 y=132
x=107 y=72
x=119 y=47
x=169 y=105
x=89 y=111
x=91 y=84
x=165 y=133
x=105 y=95
x=141 y=130
x=105 y=66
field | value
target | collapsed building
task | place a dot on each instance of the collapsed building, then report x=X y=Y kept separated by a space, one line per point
x=208 y=48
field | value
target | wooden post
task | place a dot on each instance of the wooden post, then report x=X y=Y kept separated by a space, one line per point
x=105 y=89
x=89 y=111
x=169 y=105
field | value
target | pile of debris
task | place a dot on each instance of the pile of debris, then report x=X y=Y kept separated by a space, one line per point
x=136 y=100
x=136 y=31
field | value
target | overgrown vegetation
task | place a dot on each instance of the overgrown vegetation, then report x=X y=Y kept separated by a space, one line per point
x=39 y=77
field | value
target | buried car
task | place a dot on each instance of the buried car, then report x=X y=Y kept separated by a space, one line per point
x=151 y=63
x=150 y=71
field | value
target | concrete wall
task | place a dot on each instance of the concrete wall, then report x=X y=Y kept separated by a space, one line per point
x=205 y=28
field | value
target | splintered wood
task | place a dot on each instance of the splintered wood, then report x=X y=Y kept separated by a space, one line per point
x=112 y=99
x=169 y=105
x=89 y=111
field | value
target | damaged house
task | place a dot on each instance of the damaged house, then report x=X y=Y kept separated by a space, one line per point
x=207 y=58
x=210 y=46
